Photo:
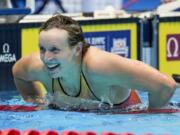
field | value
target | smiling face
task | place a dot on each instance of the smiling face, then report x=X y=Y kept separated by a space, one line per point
x=55 y=52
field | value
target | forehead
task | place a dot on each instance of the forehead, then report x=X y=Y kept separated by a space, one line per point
x=53 y=35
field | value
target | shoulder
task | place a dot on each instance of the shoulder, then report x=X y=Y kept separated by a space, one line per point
x=100 y=61
x=101 y=66
x=28 y=67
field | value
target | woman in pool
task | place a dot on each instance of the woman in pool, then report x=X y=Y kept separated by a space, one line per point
x=79 y=76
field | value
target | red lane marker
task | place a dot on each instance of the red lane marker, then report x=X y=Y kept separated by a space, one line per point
x=31 y=132
x=108 y=133
x=87 y=133
x=126 y=134
x=49 y=132
x=18 y=108
x=11 y=132
x=69 y=133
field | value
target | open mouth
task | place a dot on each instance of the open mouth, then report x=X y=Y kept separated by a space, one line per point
x=53 y=66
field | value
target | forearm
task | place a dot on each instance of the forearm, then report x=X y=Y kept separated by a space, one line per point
x=160 y=88
x=30 y=91
x=160 y=98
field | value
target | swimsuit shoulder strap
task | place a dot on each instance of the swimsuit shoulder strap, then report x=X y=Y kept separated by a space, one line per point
x=85 y=87
x=57 y=86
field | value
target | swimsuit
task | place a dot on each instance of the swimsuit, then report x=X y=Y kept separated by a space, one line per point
x=85 y=92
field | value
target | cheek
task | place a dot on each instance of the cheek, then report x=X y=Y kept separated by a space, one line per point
x=65 y=55
x=59 y=56
x=70 y=56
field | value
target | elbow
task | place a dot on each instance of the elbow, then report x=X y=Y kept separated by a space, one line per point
x=17 y=70
x=161 y=96
x=172 y=85
x=169 y=89
x=169 y=84
x=14 y=70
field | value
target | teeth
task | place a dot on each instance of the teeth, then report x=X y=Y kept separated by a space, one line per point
x=52 y=66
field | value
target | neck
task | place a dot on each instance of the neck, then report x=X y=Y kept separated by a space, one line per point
x=72 y=77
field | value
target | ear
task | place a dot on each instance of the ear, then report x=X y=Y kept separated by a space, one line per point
x=78 y=48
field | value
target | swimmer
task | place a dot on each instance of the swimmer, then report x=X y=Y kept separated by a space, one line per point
x=79 y=76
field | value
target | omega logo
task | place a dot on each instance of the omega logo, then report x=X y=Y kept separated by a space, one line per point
x=7 y=56
x=172 y=41
x=6 y=48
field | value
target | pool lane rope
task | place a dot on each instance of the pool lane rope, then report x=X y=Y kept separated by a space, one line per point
x=18 y=108
x=24 y=108
x=66 y=132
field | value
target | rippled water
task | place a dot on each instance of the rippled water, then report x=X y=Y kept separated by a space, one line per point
x=61 y=120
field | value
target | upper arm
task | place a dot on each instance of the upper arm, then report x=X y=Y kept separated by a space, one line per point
x=129 y=73
x=19 y=69
x=27 y=67
x=141 y=76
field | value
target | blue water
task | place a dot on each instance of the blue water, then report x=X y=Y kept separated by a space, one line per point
x=61 y=120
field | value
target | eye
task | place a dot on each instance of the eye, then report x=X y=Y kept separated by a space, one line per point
x=42 y=49
x=54 y=50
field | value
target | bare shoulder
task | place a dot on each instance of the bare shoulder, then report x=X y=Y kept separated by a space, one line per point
x=101 y=61
x=28 y=67
x=101 y=64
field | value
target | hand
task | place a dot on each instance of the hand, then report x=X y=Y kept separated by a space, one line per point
x=36 y=100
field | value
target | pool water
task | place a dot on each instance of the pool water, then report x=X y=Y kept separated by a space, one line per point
x=62 y=120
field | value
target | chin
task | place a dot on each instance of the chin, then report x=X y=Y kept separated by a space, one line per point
x=54 y=75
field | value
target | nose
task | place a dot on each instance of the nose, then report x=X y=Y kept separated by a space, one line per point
x=47 y=56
